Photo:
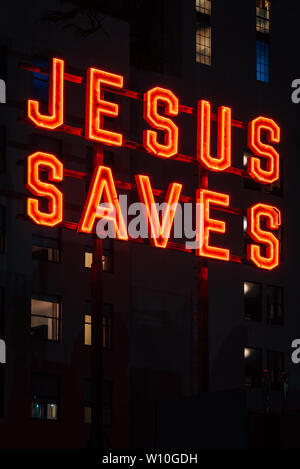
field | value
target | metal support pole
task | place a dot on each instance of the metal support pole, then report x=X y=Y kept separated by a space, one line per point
x=96 y=440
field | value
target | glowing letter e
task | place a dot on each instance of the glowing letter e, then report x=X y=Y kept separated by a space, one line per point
x=97 y=107
x=42 y=189
x=56 y=100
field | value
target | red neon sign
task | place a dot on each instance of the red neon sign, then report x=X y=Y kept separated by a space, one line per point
x=151 y=100
x=159 y=104
x=272 y=217
x=56 y=100
x=96 y=107
x=256 y=126
x=160 y=232
x=102 y=184
x=223 y=160
x=207 y=224
x=48 y=162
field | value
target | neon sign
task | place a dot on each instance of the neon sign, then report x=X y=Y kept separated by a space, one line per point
x=160 y=106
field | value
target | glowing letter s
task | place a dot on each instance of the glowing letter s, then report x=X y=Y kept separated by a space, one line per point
x=43 y=189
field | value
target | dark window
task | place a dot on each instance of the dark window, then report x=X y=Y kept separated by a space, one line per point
x=107 y=319
x=87 y=401
x=3 y=63
x=2 y=148
x=107 y=396
x=252 y=301
x=2 y=229
x=253 y=366
x=45 y=249
x=1 y=312
x=107 y=403
x=274 y=304
x=45 y=396
x=41 y=81
x=275 y=364
x=2 y=390
x=203 y=32
x=249 y=182
x=107 y=255
x=262 y=61
x=45 y=318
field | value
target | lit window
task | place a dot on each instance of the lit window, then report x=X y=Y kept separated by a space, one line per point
x=203 y=32
x=88 y=259
x=45 y=397
x=45 y=318
x=252 y=301
x=253 y=366
x=107 y=256
x=45 y=249
x=262 y=61
x=107 y=314
x=2 y=229
x=263 y=8
x=275 y=364
x=88 y=325
x=274 y=304
x=203 y=43
x=203 y=6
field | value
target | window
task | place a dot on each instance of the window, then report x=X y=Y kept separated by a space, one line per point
x=107 y=325
x=41 y=81
x=203 y=32
x=203 y=6
x=249 y=182
x=1 y=312
x=107 y=315
x=87 y=401
x=107 y=255
x=45 y=396
x=45 y=318
x=87 y=324
x=2 y=229
x=1 y=390
x=275 y=364
x=45 y=249
x=252 y=301
x=107 y=396
x=274 y=304
x=262 y=61
x=2 y=148
x=107 y=403
x=88 y=259
x=253 y=366
x=263 y=8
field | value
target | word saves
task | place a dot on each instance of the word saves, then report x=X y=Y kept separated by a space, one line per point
x=159 y=105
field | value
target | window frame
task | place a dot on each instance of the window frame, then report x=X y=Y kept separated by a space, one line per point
x=47 y=298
